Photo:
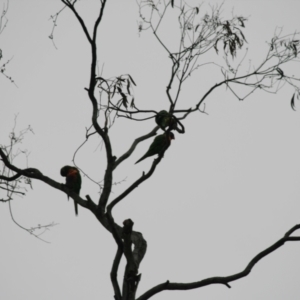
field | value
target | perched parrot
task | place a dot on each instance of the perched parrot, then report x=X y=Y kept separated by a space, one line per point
x=73 y=181
x=160 y=144
x=163 y=119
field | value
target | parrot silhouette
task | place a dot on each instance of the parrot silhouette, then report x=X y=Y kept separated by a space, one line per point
x=73 y=181
x=160 y=144
x=163 y=119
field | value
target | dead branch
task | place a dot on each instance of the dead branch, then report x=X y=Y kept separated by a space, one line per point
x=222 y=280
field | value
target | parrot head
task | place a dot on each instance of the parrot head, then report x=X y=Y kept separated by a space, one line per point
x=163 y=113
x=171 y=136
x=65 y=170
x=68 y=170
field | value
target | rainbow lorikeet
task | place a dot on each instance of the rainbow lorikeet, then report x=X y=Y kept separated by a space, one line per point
x=73 y=181
x=160 y=144
x=163 y=119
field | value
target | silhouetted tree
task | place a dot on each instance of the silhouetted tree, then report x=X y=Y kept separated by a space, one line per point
x=113 y=98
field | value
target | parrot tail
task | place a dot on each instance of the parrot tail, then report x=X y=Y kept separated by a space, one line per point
x=76 y=207
x=142 y=158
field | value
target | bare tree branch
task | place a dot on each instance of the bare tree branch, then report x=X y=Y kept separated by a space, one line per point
x=36 y=174
x=135 y=184
x=114 y=273
x=81 y=22
x=32 y=230
x=133 y=146
x=222 y=280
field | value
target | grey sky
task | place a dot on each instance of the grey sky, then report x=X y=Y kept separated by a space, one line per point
x=225 y=190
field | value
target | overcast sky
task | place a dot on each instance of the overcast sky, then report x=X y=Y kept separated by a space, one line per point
x=226 y=189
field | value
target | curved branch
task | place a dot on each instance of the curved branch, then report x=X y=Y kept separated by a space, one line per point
x=108 y=177
x=226 y=81
x=110 y=160
x=32 y=229
x=133 y=146
x=103 y=2
x=133 y=119
x=137 y=111
x=175 y=68
x=71 y=6
x=135 y=184
x=114 y=273
x=36 y=174
x=10 y=178
x=222 y=280
x=103 y=133
x=7 y=163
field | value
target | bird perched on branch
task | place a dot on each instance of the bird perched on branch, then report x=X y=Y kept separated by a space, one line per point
x=73 y=181
x=160 y=144
x=164 y=119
